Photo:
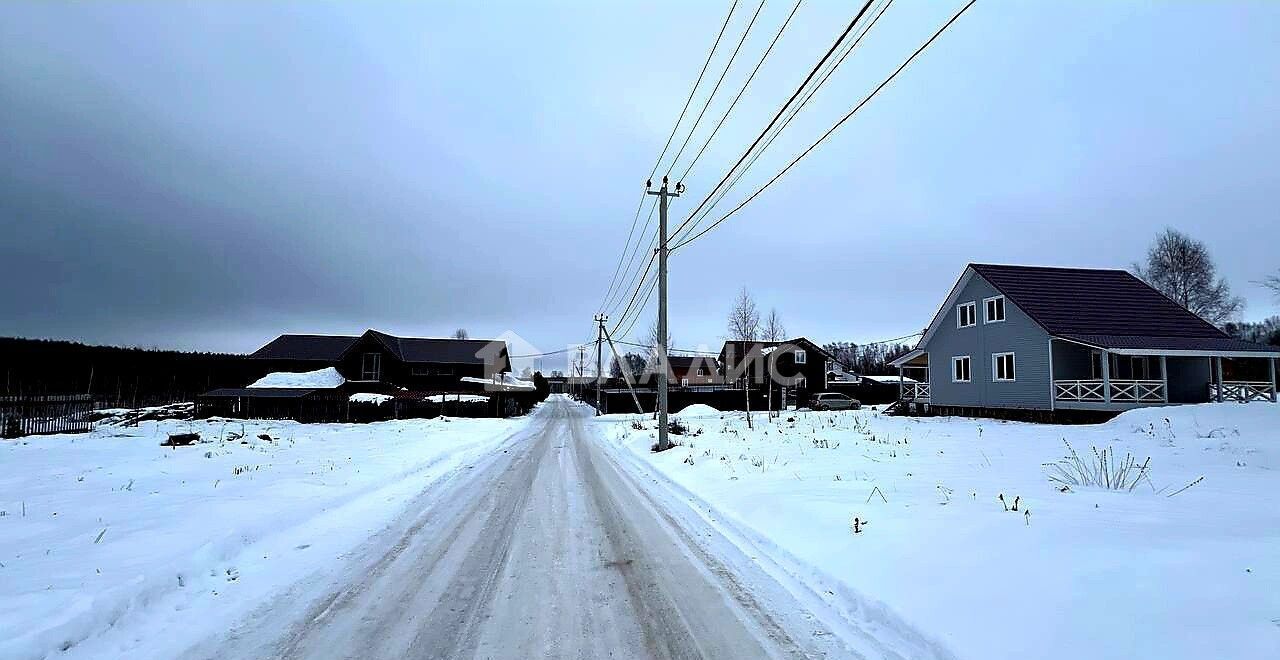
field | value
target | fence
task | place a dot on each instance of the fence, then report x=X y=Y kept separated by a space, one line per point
x=43 y=414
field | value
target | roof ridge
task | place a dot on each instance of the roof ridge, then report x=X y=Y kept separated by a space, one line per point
x=1079 y=269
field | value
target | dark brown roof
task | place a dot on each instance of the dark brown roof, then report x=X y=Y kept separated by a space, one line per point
x=1106 y=308
x=456 y=351
x=1090 y=301
x=330 y=348
x=326 y=348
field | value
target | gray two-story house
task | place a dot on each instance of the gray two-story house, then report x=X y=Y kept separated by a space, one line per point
x=1022 y=340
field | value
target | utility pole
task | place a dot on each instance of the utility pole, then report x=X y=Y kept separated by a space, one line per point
x=664 y=443
x=601 y=319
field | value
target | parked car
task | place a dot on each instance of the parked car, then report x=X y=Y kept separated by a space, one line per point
x=834 y=401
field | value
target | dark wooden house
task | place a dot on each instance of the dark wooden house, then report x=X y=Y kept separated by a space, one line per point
x=414 y=363
x=797 y=365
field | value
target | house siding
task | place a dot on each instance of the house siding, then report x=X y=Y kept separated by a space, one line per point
x=1018 y=334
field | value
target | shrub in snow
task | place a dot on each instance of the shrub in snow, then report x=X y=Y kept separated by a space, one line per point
x=673 y=441
x=1102 y=470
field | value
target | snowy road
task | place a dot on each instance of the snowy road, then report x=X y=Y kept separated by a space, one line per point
x=547 y=548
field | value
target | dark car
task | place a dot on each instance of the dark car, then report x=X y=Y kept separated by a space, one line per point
x=834 y=401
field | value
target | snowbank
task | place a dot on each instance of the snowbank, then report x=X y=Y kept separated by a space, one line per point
x=1089 y=573
x=698 y=410
x=326 y=378
x=368 y=397
x=108 y=539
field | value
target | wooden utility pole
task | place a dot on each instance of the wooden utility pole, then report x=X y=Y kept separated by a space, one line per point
x=664 y=443
x=601 y=319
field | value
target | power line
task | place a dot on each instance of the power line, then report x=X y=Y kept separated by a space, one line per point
x=724 y=192
x=833 y=129
x=665 y=147
x=741 y=91
x=612 y=302
x=715 y=88
x=563 y=350
x=676 y=350
x=779 y=114
x=697 y=82
x=634 y=293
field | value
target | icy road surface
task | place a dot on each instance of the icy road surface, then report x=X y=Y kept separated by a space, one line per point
x=547 y=548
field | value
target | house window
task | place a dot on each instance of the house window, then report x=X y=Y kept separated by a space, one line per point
x=371 y=369
x=1095 y=365
x=684 y=382
x=966 y=314
x=995 y=309
x=960 y=369
x=1002 y=369
x=800 y=357
x=800 y=382
x=702 y=371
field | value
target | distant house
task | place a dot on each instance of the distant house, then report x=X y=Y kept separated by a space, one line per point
x=379 y=358
x=798 y=365
x=687 y=370
x=1026 y=338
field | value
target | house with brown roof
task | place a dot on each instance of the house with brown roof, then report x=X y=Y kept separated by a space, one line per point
x=375 y=357
x=1030 y=338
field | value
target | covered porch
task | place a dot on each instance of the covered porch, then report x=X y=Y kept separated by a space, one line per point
x=913 y=377
x=1100 y=377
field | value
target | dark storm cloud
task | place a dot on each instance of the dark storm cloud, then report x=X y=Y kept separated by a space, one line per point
x=208 y=175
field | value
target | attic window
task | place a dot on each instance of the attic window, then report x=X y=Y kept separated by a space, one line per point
x=800 y=356
x=966 y=314
x=995 y=309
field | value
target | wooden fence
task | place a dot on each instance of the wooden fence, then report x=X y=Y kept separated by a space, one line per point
x=42 y=414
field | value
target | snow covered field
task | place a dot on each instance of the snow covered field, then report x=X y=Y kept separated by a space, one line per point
x=1089 y=573
x=107 y=538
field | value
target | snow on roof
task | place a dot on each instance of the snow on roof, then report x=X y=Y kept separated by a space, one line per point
x=369 y=397
x=890 y=379
x=326 y=378
x=507 y=383
x=454 y=398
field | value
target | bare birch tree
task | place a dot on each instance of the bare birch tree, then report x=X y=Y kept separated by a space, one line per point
x=460 y=333
x=773 y=328
x=1180 y=267
x=744 y=320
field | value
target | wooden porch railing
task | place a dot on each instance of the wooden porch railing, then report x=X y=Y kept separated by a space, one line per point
x=916 y=391
x=1122 y=391
x=1243 y=391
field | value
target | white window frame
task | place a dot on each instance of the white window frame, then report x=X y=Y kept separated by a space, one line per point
x=986 y=309
x=801 y=357
x=376 y=368
x=972 y=305
x=684 y=382
x=955 y=360
x=1013 y=367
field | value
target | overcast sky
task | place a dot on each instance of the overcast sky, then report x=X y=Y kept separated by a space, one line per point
x=209 y=175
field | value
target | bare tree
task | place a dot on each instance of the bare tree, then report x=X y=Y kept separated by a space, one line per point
x=460 y=333
x=1273 y=283
x=1181 y=268
x=634 y=363
x=773 y=328
x=744 y=320
x=655 y=340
